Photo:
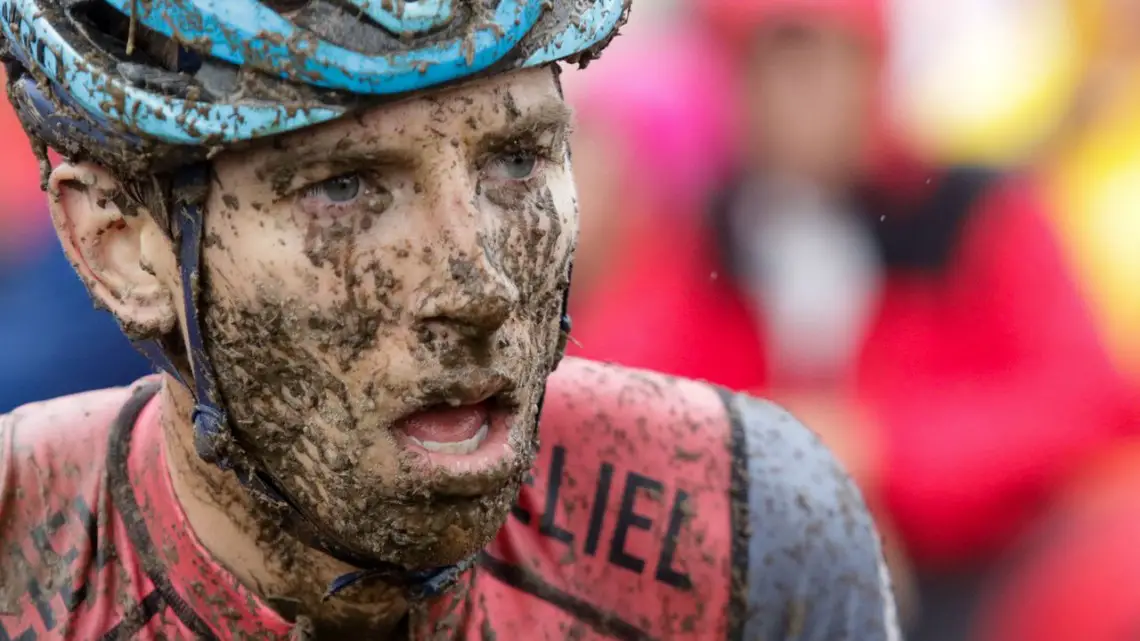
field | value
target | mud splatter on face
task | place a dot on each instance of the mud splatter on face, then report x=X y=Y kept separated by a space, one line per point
x=413 y=256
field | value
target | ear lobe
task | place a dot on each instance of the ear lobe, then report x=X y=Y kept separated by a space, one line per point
x=111 y=250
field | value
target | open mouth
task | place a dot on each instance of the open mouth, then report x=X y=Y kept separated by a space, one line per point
x=464 y=435
x=444 y=429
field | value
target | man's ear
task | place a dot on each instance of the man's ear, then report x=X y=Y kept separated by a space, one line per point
x=123 y=257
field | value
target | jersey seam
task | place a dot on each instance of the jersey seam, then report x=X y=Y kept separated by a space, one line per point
x=739 y=519
x=604 y=623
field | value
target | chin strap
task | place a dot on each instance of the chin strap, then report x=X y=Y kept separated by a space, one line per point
x=565 y=325
x=424 y=585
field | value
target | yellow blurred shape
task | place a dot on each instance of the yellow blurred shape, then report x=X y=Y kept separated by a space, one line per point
x=995 y=83
x=1096 y=188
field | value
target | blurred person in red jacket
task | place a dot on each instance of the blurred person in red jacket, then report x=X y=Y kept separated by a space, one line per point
x=921 y=318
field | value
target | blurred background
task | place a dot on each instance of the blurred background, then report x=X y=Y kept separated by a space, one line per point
x=916 y=224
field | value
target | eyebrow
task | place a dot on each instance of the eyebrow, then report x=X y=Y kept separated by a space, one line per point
x=548 y=116
x=344 y=151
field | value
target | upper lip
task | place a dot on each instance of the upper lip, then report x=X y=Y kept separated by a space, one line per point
x=470 y=389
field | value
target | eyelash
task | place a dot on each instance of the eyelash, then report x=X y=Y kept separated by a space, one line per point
x=309 y=197
x=544 y=155
x=537 y=149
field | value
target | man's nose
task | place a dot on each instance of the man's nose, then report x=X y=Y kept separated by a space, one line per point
x=468 y=287
x=479 y=296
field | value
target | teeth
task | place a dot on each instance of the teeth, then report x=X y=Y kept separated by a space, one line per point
x=461 y=447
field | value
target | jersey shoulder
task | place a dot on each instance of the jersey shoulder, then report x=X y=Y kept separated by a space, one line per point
x=46 y=442
x=815 y=559
x=671 y=508
x=52 y=475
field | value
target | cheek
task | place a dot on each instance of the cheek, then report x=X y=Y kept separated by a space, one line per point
x=564 y=195
x=321 y=269
x=556 y=213
x=533 y=233
x=325 y=294
x=268 y=255
x=266 y=309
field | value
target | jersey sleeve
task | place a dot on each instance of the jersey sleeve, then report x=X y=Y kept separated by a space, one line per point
x=815 y=565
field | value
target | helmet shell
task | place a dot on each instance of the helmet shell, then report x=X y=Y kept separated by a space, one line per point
x=163 y=83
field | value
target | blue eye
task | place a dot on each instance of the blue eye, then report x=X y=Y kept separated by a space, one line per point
x=518 y=165
x=339 y=190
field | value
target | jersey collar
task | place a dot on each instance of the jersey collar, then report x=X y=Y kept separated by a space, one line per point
x=204 y=594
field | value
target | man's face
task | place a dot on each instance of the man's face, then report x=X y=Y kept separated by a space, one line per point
x=382 y=303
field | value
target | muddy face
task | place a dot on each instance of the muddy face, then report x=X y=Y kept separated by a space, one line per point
x=411 y=258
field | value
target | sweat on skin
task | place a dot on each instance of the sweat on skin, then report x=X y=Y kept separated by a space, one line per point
x=355 y=274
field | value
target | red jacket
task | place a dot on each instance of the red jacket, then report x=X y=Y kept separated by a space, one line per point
x=983 y=370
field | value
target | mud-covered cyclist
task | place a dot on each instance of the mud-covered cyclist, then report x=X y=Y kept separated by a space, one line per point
x=343 y=230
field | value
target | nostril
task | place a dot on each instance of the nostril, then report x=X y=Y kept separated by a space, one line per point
x=486 y=312
x=461 y=269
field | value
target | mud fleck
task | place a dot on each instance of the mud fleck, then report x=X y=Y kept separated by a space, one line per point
x=231 y=201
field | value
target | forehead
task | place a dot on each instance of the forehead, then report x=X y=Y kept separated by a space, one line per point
x=481 y=107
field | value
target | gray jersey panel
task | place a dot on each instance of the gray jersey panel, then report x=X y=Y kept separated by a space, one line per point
x=815 y=565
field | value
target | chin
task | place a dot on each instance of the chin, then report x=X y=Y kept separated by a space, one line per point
x=430 y=533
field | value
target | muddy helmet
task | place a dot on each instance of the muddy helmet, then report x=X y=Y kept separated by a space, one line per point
x=157 y=87
x=181 y=78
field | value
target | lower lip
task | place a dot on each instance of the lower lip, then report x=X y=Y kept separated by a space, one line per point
x=489 y=455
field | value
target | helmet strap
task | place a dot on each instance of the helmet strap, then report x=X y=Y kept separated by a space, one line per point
x=212 y=439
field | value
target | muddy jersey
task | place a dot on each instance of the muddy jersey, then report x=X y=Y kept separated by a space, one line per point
x=658 y=509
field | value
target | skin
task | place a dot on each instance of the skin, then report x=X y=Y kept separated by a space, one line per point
x=808 y=93
x=335 y=308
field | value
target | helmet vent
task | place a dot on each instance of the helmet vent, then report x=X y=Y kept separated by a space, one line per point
x=286 y=6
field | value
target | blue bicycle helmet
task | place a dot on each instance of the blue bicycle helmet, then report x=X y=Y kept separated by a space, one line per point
x=157 y=87
x=182 y=77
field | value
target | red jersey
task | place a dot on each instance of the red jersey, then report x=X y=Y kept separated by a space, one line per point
x=658 y=509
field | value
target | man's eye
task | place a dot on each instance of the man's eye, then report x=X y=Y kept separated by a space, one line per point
x=340 y=190
x=517 y=165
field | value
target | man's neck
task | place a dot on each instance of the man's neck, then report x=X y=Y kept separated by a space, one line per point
x=268 y=561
